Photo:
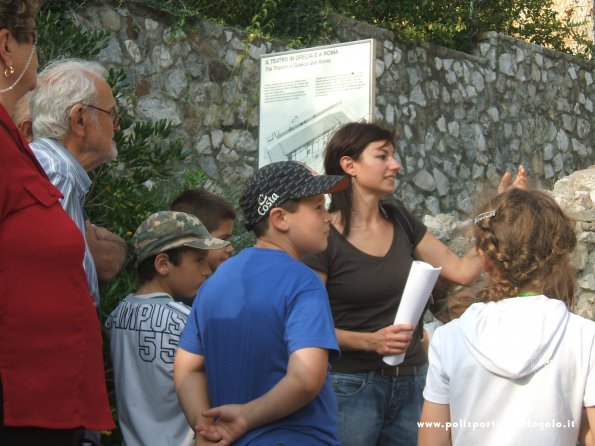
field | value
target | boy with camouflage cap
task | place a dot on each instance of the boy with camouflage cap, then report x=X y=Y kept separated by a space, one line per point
x=257 y=341
x=144 y=329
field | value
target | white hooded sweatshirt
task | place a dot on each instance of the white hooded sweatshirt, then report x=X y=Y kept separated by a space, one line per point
x=515 y=372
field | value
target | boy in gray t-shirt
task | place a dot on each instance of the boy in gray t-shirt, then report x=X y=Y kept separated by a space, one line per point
x=145 y=328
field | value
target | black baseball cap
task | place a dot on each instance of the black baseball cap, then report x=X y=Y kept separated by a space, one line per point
x=274 y=184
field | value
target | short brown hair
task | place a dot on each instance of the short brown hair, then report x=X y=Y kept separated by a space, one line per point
x=209 y=208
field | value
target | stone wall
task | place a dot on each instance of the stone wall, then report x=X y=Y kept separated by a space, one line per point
x=462 y=119
x=576 y=196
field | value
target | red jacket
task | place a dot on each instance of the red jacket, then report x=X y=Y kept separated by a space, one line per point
x=51 y=361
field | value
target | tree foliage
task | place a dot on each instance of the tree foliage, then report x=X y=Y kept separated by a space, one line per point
x=451 y=23
x=455 y=23
x=59 y=38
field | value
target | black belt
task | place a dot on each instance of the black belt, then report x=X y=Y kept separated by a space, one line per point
x=402 y=370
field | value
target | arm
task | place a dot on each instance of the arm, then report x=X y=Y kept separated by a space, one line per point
x=587 y=433
x=107 y=249
x=306 y=374
x=426 y=341
x=391 y=340
x=434 y=436
x=463 y=270
x=191 y=387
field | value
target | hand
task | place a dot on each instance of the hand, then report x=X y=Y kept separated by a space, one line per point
x=102 y=234
x=229 y=424
x=201 y=441
x=521 y=181
x=393 y=340
x=108 y=251
x=107 y=235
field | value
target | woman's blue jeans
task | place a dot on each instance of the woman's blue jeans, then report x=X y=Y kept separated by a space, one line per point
x=379 y=410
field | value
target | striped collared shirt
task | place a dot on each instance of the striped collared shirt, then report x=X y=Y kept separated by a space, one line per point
x=68 y=175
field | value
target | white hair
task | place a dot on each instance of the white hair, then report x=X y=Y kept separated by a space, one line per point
x=60 y=86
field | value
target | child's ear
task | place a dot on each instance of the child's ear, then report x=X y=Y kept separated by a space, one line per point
x=162 y=264
x=485 y=261
x=277 y=219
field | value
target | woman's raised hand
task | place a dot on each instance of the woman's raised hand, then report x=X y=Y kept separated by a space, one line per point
x=521 y=181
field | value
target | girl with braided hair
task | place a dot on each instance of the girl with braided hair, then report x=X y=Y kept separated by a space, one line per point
x=519 y=367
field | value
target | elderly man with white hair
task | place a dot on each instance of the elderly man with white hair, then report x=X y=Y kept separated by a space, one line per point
x=74 y=118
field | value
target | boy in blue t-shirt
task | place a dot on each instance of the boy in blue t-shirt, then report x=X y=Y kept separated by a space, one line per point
x=253 y=358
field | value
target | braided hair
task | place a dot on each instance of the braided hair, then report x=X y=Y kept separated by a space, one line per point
x=527 y=239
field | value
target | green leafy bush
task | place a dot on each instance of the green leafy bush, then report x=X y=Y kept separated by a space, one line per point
x=59 y=38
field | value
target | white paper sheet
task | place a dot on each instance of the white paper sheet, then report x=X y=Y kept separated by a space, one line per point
x=420 y=282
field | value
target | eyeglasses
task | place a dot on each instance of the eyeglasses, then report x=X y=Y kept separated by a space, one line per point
x=113 y=114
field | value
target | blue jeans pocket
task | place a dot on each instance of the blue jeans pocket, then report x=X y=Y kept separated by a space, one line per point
x=346 y=385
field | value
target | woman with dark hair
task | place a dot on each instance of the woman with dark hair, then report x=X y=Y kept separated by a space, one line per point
x=372 y=244
x=51 y=362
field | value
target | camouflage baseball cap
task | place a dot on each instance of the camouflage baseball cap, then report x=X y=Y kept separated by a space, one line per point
x=167 y=230
x=276 y=183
